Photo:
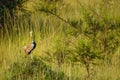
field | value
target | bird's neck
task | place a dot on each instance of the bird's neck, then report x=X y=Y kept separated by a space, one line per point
x=32 y=40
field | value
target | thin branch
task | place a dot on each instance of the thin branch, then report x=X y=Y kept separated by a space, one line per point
x=62 y=19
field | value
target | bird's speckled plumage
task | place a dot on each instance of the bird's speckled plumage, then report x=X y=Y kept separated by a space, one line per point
x=30 y=47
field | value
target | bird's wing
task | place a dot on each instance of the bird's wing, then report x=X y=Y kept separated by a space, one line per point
x=32 y=46
x=29 y=48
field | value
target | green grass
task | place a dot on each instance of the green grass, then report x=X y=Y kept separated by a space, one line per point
x=57 y=40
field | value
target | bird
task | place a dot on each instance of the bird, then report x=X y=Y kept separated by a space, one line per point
x=31 y=46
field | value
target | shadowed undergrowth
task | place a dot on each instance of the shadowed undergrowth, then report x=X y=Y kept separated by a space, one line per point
x=32 y=69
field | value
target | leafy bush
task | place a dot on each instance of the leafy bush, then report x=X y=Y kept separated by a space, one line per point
x=32 y=69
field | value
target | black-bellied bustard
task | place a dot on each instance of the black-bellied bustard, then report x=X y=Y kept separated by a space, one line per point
x=31 y=46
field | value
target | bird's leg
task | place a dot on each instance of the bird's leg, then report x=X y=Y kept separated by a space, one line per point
x=31 y=56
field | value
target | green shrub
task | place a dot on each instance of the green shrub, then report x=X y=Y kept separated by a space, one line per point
x=30 y=69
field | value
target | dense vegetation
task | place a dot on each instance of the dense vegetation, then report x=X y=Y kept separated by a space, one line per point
x=76 y=40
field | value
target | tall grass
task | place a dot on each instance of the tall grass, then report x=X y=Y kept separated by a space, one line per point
x=53 y=37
